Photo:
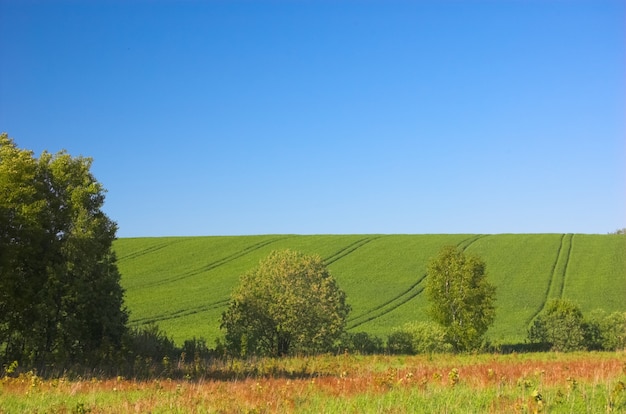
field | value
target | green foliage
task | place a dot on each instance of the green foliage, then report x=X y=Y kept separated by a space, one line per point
x=560 y=327
x=60 y=296
x=418 y=338
x=604 y=331
x=360 y=343
x=563 y=327
x=150 y=342
x=400 y=342
x=462 y=300
x=427 y=337
x=288 y=304
x=613 y=331
x=196 y=348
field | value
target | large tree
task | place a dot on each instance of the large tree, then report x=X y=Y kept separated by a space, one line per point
x=288 y=303
x=60 y=298
x=461 y=298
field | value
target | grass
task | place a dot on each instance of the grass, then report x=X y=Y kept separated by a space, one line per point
x=521 y=267
x=183 y=283
x=597 y=272
x=555 y=383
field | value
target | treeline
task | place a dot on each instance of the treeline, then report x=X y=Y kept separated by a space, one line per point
x=149 y=353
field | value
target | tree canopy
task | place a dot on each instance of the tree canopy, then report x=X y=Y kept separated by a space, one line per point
x=461 y=298
x=288 y=303
x=60 y=297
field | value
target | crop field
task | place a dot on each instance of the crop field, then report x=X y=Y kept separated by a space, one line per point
x=183 y=283
x=514 y=383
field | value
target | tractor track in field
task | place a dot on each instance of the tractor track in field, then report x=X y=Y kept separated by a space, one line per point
x=340 y=254
x=408 y=294
x=223 y=303
x=215 y=264
x=567 y=257
x=562 y=257
x=465 y=244
x=148 y=250
x=180 y=313
x=388 y=306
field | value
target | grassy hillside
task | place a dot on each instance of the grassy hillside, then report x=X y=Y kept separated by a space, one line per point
x=183 y=283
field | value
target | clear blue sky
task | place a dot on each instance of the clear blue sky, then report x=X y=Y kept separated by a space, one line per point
x=254 y=117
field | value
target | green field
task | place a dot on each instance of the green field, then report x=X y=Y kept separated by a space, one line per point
x=183 y=283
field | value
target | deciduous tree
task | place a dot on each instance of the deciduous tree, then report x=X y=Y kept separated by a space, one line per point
x=289 y=303
x=461 y=298
x=60 y=298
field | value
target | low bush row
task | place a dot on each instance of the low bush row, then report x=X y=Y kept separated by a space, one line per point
x=562 y=326
x=148 y=352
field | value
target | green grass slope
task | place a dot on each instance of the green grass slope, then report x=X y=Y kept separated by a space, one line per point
x=183 y=283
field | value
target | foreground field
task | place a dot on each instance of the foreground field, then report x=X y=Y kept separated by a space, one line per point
x=183 y=283
x=525 y=383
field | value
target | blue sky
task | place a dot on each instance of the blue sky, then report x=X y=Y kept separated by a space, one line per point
x=309 y=117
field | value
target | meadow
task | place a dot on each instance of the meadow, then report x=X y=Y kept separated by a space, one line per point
x=183 y=283
x=513 y=383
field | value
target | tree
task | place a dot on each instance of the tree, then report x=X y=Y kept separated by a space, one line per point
x=289 y=303
x=560 y=326
x=461 y=298
x=60 y=298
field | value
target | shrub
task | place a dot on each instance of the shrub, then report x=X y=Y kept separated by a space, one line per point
x=419 y=338
x=400 y=342
x=614 y=331
x=560 y=327
x=427 y=337
x=606 y=332
x=150 y=342
x=197 y=348
x=360 y=343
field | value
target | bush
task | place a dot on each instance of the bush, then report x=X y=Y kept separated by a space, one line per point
x=613 y=330
x=560 y=327
x=400 y=343
x=606 y=332
x=150 y=342
x=428 y=337
x=197 y=348
x=419 y=338
x=360 y=343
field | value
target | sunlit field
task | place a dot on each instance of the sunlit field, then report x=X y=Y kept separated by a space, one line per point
x=183 y=284
x=515 y=383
